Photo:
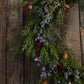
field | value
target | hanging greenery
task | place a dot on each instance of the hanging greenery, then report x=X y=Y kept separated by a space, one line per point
x=41 y=39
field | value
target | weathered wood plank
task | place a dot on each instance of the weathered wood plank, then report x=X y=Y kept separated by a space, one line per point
x=14 y=26
x=2 y=41
x=71 y=32
x=27 y=60
x=82 y=45
x=82 y=28
x=29 y=76
x=31 y=71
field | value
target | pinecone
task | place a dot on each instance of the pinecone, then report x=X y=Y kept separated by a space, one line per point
x=38 y=46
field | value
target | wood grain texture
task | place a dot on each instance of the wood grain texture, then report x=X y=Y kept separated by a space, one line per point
x=82 y=30
x=2 y=41
x=14 y=26
x=71 y=32
x=11 y=23
x=31 y=70
x=27 y=60
x=82 y=45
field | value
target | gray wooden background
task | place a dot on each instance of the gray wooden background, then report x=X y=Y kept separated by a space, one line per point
x=11 y=22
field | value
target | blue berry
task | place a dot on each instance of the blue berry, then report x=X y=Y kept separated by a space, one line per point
x=44 y=74
x=48 y=20
x=43 y=68
x=42 y=24
x=36 y=39
x=40 y=31
x=38 y=64
x=43 y=2
x=50 y=70
x=46 y=9
x=38 y=34
x=54 y=65
x=49 y=38
x=40 y=13
x=69 y=73
x=49 y=74
x=41 y=75
x=76 y=71
x=58 y=82
x=41 y=38
x=66 y=75
x=36 y=59
x=50 y=25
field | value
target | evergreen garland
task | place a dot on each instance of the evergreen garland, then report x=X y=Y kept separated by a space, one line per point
x=41 y=39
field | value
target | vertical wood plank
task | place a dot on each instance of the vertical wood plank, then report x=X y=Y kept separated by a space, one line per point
x=29 y=76
x=14 y=26
x=27 y=60
x=2 y=41
x=82 y=45
x=71 y=32
x=31 y=71
x=81 y=4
